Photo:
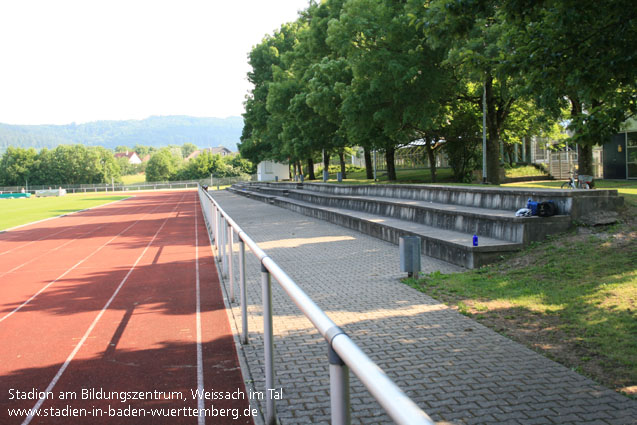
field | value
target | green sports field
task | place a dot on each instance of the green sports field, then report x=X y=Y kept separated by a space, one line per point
x=15 y=212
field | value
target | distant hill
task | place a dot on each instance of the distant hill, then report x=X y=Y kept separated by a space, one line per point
x=153 y=131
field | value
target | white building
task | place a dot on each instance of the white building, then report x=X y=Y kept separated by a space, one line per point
x=268 y=171
x=133 y=158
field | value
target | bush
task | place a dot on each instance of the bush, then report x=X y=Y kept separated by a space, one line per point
x=336 y=168
x=463 y=157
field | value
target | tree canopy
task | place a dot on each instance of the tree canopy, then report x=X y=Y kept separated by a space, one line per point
x=381 y=74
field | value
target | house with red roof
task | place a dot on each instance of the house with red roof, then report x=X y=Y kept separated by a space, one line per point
x=133 y=158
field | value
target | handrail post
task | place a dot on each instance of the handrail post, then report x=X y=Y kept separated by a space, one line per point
x=242 y=289
x=268 y=346
x=339 y=389
x=210 y=210
x=230 y=268
x=224 y=237
x=217 y=229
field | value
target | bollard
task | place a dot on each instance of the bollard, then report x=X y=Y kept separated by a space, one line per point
x=242 y=289
x=268 y=346
x=409 y=248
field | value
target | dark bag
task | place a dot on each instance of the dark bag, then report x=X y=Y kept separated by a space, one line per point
x=546 y=209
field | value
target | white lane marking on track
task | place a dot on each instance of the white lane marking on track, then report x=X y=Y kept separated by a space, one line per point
x=97 y=318
x=51 y=250
x=200 y=403
x=47 y=219
x=18 y=308
x=57 y=247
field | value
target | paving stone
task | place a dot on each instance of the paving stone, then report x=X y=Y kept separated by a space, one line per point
x=458 y=377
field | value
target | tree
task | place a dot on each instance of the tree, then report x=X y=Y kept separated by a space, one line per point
x=399 y=84
x=240 y=164
x=260 y=136
x=17 y=166
x=162 y=166
x=472 y=34
x=187 y=149
x=142 y=150
x=578 y=55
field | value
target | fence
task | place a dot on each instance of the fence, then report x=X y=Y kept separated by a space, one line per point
x=411 y=156
x=212 y=182
x=561 y=163
x=343 y=353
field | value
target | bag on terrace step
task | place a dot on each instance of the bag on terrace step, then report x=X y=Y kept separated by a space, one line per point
x=546 y=209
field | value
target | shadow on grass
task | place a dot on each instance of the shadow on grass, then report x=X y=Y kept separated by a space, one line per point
x=574 y=299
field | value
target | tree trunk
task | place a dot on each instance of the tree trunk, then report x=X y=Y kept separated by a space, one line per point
x=326 y=161
x=431 y=155
x=391 y=167
x=369 y=167
x=310 y=169
x=299 y=166
x=584 y=150
x=508 y=148
x=341 y=157
x=585 y=160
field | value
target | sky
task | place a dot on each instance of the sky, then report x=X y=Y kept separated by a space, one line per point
x=66 y=61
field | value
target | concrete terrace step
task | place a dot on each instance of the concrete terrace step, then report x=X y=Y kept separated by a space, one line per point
x=497 y=224
x=575 y=203
x=448 y=245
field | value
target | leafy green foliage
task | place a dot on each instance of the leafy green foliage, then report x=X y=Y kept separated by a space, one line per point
x=162 y=166
x=65 y=164
x=577 y=55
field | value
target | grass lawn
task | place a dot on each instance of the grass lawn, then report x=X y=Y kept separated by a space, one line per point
x=403 y=177
x=572 y=297
x=21 y=211
x=443 y=175
x=625 y=188
x=138 y=178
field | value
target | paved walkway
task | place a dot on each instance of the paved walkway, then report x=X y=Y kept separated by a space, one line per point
x=457 y=370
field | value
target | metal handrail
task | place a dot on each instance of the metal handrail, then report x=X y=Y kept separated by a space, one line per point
x=344 y=354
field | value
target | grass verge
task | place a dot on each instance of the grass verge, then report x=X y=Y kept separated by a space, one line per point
x=572 y=298
x=27 y=210
x=139 y=178
x=625 y=188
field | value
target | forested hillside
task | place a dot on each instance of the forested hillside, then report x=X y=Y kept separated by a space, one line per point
x=153 y=131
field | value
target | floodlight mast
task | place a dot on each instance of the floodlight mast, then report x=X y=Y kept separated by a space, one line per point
x=484 y=134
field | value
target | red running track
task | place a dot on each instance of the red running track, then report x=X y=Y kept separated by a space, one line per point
x=111 y=303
